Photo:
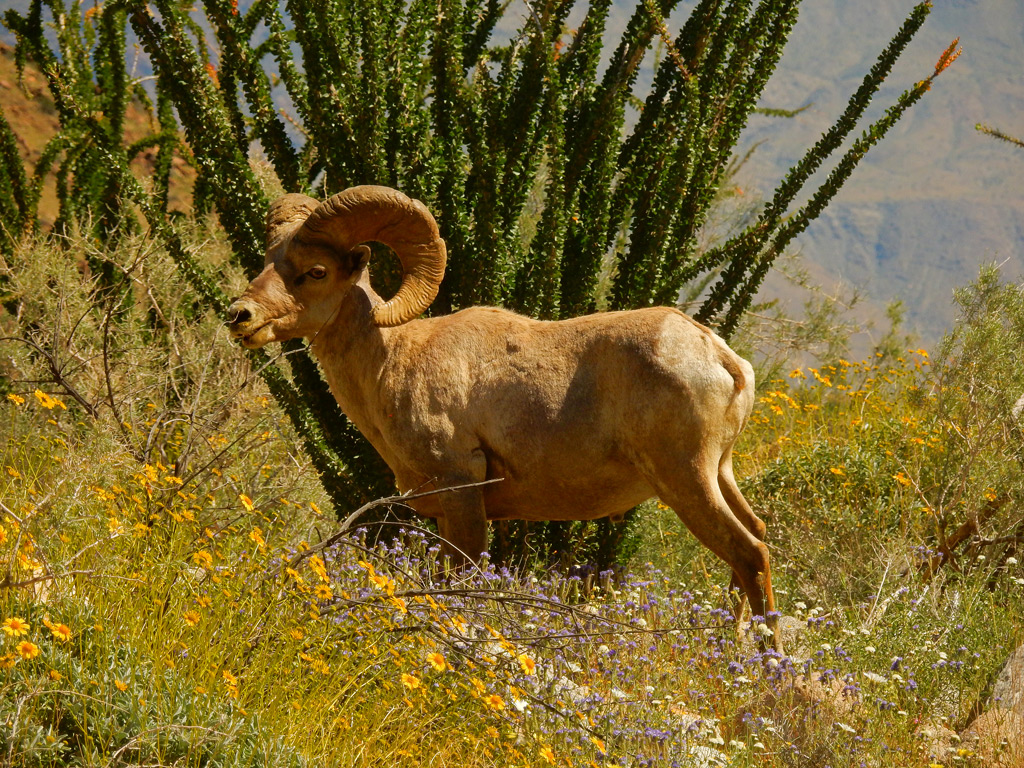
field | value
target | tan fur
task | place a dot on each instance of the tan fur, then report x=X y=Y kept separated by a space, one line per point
x=580 y=419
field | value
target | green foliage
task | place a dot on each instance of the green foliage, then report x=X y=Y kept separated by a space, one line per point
x=559 y=186
x=86 y=74
x=998 y=134
x=171 y=594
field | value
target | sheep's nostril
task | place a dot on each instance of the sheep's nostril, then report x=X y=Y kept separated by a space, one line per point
x=239 y=315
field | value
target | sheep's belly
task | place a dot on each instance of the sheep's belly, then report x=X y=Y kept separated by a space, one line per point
x=568 y=496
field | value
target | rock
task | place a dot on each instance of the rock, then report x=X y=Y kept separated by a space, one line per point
x=800 y=707
x=936 y=740
x=816 y=694
x=997 y=736
x=792 y=629
x=793 y=632
x=1008 y=692
x=706 y=757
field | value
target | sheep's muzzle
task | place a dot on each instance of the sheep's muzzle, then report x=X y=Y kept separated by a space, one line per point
x=247 y=324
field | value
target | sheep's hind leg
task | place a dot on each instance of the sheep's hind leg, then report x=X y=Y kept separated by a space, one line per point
x=743 y=512
x=699 y=502
x=463 y=527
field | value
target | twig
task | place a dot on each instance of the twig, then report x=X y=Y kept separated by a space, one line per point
x=962 y=534
x=347 y=523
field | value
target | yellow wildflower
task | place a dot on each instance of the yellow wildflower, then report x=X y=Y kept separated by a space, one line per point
x=16 y=399
x=15 y=627
x=902 y=479
x=48 y=401
x=122 y=687
x=27 y=650
x=203 y=559
x=528 y=665
x=495 y=702
x=317 y=565
x=410 y=681
x=436 y=660
x=246 y=502
x=323 y=592
x=547 y=754
x=191 y=618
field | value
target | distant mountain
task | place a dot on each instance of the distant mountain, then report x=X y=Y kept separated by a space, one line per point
x=936 y=199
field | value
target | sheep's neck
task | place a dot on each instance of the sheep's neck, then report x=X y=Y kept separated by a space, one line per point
x=352 y=351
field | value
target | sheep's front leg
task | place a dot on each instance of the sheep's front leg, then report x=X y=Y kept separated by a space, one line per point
x=464 y=524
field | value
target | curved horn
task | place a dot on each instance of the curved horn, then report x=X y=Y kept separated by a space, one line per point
x=384 y=215
x=286 y=214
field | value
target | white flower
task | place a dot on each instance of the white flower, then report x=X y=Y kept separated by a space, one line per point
x=846 y=728
x=717 y=740
x=521 y=705
x=874 y=677
x=764 y=630
x=758 y=745
x=603 y=650
x=801 y=606
x=737 y=744
x=869 y=648
x=1011 y=561
x=826 y=647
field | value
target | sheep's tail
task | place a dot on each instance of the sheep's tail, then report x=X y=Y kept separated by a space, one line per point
x=727 y=357
x=739 y=379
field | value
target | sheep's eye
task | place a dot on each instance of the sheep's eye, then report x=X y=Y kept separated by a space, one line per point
x=317 y=273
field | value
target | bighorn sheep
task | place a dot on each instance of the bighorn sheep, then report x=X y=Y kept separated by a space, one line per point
x=581 y=418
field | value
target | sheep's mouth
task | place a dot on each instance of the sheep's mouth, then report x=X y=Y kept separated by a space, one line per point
x=249 y=339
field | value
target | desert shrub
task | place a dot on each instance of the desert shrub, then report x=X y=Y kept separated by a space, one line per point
x=560 y=185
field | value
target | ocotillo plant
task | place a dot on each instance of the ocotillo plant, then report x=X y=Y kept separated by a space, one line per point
x=558 y=183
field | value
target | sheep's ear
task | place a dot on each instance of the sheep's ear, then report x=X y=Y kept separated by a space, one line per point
x=356 y=259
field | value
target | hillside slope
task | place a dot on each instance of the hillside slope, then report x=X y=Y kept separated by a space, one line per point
x=936 y=199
